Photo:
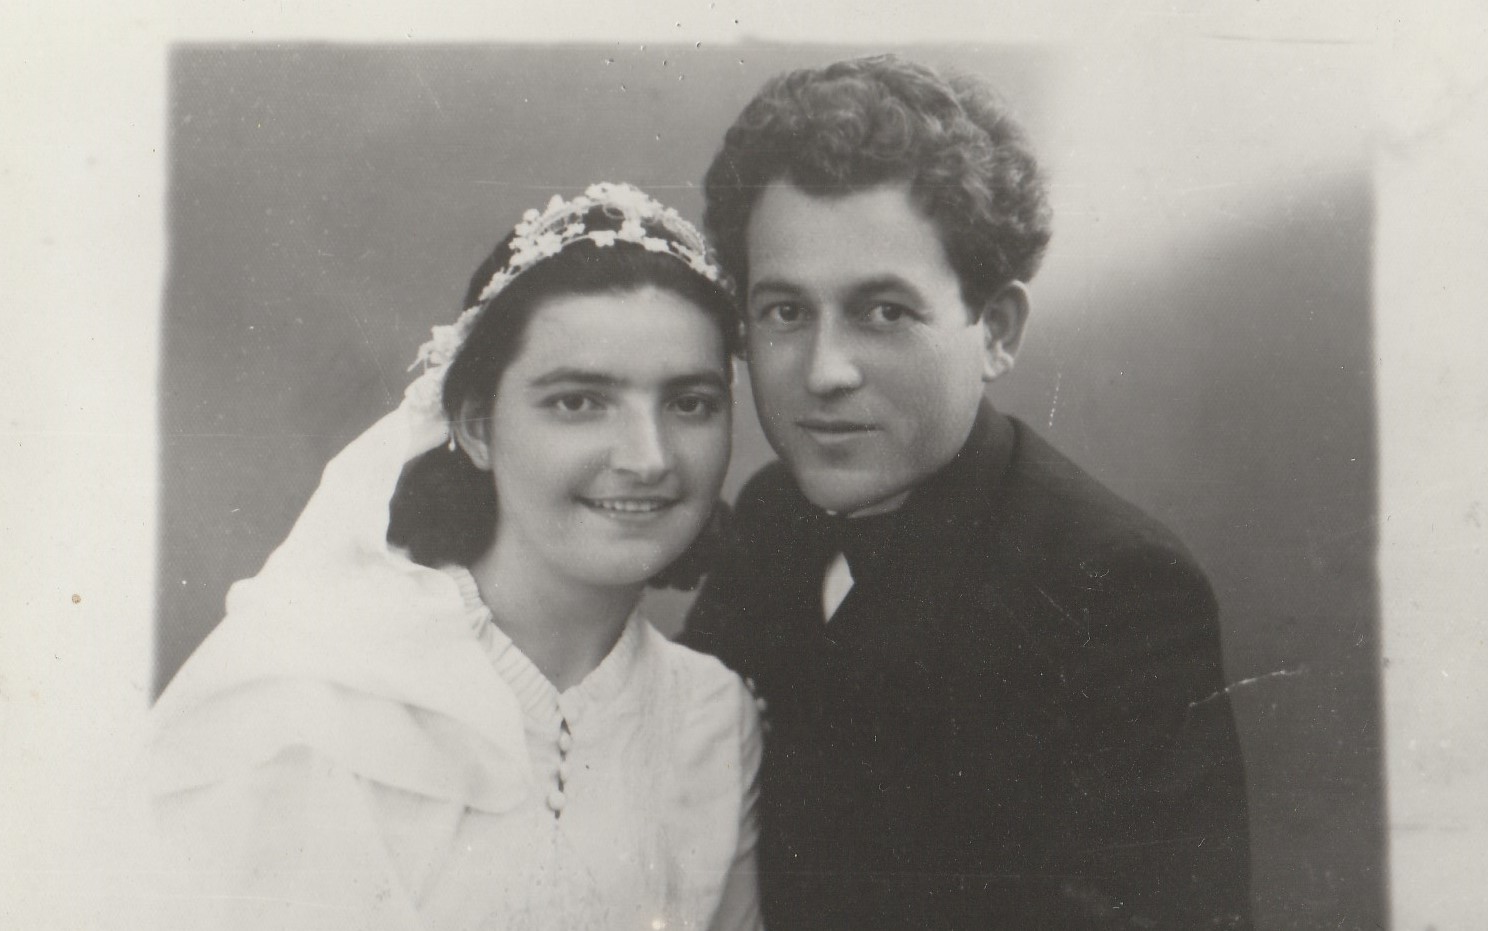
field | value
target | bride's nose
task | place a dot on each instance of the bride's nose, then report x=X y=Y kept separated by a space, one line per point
x=640 y=448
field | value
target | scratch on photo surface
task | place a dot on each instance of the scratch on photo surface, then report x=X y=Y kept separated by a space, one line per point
x=419 y=74
x=1058 y=377
x=1285 y=40
x=1219 y=186
x=382 y=380
x=1278 y=674
x=1178 y=839
x=1056 y=605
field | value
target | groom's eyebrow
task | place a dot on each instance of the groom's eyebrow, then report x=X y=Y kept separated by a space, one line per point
x=856 y=290
x=702 y=379
x=773 y=286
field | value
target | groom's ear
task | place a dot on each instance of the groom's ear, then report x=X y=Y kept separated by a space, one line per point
x=472 y=431
x=1003 y=319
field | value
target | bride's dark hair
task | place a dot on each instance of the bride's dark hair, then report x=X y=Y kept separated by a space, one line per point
x=444 y=509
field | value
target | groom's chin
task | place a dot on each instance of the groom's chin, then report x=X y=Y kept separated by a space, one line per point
x=847 y=491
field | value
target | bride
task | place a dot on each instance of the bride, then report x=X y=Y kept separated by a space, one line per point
x=435 y=707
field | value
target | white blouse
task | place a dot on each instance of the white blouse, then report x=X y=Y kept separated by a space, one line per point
x=632 y=806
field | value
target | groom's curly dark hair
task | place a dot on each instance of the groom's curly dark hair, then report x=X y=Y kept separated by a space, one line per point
x=863 y=122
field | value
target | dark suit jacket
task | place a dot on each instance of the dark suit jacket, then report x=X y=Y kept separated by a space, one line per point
x=1016 y=719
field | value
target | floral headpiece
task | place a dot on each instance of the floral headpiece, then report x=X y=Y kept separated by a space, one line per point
x=546 y=233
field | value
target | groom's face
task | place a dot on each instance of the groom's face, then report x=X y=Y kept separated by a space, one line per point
x=866 y=363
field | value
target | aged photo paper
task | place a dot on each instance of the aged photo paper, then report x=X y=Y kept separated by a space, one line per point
x=1260 y=319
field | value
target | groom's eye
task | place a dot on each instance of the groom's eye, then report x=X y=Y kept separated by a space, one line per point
x=783 y=313
x=697 y=406
x=887 y=313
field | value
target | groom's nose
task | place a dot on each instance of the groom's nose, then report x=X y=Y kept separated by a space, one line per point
x=832 y=366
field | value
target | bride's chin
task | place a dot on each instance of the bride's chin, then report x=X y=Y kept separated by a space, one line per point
x=631 y=568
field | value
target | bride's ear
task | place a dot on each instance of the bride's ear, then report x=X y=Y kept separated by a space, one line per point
x=472 y=431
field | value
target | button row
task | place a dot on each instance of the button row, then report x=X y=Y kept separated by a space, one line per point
x=556 y=799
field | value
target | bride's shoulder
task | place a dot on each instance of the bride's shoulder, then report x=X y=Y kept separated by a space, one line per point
x=714 y=722
x=702 y=679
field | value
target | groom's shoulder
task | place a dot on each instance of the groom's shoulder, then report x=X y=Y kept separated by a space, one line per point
x=1079 y=541
x=1049 y=501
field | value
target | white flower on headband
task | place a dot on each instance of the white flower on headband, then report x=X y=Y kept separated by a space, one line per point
x=427 y=391
x=442 y=348
x=625 y=198
x=543 y=234
x=632 y=230
x=700 y=264
x=500 y=280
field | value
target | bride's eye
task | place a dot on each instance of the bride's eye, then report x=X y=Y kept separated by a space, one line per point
x=573 y=403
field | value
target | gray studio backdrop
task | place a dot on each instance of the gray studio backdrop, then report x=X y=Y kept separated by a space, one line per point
x=1203 y=346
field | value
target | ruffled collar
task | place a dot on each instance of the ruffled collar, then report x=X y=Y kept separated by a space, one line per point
x=541 y=701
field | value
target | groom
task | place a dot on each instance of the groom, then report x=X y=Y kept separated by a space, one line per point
x=993 y=689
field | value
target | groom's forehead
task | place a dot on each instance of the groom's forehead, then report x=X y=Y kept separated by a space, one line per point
x=796 y=238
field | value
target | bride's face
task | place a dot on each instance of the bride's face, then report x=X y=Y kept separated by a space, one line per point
x=609 y=436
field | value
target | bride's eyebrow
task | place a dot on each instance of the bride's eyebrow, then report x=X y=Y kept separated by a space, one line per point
x=703 y=378
x=572 y=376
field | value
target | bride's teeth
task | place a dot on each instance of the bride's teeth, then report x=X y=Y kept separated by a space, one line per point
x=629 y=506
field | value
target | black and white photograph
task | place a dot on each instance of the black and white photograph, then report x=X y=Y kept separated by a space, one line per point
x=683 y=470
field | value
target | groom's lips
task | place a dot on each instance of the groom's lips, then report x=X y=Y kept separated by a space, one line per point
x=833 y=430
